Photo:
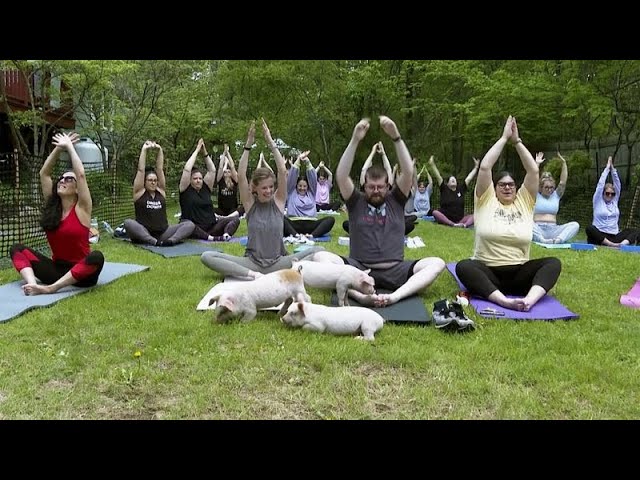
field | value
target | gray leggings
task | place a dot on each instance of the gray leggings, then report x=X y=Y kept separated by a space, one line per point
x=233 y=266
x=139 y=234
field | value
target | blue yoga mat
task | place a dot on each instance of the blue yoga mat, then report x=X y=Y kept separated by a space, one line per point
x=181 y=250
x=14 y=302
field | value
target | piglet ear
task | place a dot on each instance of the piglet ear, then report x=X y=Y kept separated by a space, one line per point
x=301 y=308
x=367 y=271
x=214 y=299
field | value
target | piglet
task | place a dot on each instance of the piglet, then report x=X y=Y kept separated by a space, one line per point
x=340 y=277
x=336 y=320
x=244 y=299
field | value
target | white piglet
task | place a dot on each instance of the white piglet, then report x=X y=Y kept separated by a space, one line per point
x=244 y=299
x=340 y=277
x=336 y=320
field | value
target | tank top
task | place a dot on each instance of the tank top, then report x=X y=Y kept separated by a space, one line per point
x=265 y=227
x=70 y=241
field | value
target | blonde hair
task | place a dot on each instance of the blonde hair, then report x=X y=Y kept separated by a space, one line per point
x=260 y=174
x=546 y=177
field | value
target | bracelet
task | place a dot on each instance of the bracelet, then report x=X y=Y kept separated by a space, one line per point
x=206 y=155
x=397 y=139
x=519 y=141
x=248 y=149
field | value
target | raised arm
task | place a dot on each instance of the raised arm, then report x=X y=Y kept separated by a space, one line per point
x=281 y=192
x=564 y=173
x=403 y=181
x=617 y=186
x=162 y=181
x=385 y=162
x=488 y=161
x=345 y=184
x=312 y=177
x=243 y=184
x=329 y=174
x=263 y=163
x=532 y=177
x=230 y=164
x=138 y=181
x=436 y=173
x=185 y=178
x=473 y=171
x=84 y=205
x=209 y=177
x=394 y=174
x=46 y=182
x=222 y=164
x=367 y=164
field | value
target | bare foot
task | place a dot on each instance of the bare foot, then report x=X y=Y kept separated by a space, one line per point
x=381 y=300
x=35 y=289
x=517 y=304
x=459 y=225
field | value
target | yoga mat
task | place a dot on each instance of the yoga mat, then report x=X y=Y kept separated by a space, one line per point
x=179 y=250
x=583 y=246
x=408 y=310
x=228 y=282
x=553 y=245
x=630 y=248
x=547 y=308
x=428 y=218
x=14 y=302
x=231 y=240
x=632 y=297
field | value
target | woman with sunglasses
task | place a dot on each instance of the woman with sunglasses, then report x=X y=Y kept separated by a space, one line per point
x=503 y=215
x=151 y=226
x=546 y=228
x=66 y=218
x=606 y=214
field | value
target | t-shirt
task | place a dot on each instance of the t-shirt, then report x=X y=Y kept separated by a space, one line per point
x=422 y=201
x=70 y=241
x=301 y=205
x=322 y=192
x=196 y=206
x=377 y=234
x=503 y=232
x=227 y=197
x=452 y=202
x=151 y=213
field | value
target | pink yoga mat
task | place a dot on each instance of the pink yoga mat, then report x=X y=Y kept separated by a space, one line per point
x=547 y=308
x=632 y=298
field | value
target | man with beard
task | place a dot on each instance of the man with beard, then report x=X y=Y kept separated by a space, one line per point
x=376 y=218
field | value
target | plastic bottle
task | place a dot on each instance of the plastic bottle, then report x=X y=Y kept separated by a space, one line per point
x=107 y=227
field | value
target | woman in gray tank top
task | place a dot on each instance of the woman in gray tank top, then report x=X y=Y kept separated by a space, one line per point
x=264 y=204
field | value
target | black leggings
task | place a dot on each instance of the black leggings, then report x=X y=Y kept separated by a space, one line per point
x=482 y=280
x=596 y=237
x=317 y=228
x=48 y=272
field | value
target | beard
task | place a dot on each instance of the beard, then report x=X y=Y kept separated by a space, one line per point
x=375 y=200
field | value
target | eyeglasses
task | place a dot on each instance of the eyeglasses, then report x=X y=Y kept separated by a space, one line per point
x=152 y=180
x=504 y=185
x=549 y=187
x=374 y=188
x=609 y=194
x=66 y=179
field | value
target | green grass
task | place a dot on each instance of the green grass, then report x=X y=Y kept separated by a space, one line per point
x=76 y=358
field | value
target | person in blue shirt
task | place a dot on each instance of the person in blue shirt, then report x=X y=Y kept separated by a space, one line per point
x=546 y=229
x=606 y=214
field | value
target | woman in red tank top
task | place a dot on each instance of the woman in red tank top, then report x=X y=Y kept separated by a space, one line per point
x=66 y=218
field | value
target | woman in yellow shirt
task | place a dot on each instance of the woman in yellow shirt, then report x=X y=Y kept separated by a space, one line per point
x=503 y=216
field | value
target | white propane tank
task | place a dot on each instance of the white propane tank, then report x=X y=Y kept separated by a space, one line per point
x=89 y=153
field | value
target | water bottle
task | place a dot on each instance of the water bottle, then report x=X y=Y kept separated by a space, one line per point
x=107 y=227
x=94 y=237
x=94 y=223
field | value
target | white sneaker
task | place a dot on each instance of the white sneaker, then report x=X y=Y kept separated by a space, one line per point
x=417 y=241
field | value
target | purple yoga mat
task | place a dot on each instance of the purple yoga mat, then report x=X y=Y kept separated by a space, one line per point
x=635 y=290
x=547 y=308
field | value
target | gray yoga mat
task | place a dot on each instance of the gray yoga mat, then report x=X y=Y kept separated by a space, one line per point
x=180 y=250
x=408 y=310
x=14 y=302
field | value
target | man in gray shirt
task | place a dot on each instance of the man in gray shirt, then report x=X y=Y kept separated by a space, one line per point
x=376 y=220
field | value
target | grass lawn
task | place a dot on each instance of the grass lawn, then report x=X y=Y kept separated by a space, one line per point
x=76 y=359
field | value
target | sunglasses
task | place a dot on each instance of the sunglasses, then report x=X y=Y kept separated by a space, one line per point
x=66 y=179
x=609 y=194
